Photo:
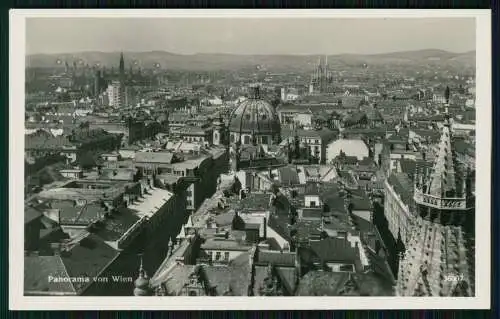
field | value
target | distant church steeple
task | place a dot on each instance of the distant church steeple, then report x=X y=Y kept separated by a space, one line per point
x=122 y=64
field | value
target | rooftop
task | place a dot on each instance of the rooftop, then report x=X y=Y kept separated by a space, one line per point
x=402 y=185
x=80 y=189
x=320 y=283
x=224 y=244
x=154 y=157
x=85 y=260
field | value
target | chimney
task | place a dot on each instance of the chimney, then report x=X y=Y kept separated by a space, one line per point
x=265 y=228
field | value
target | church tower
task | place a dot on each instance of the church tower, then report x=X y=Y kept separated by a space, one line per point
x=439 y=256
x=122 y=67
x=142 y=283
x=321 y=77
x=219 y=137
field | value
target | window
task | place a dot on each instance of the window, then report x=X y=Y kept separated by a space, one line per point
x=264 y=140
x=246 y=139
x=217 y=255
x=226 y=256
x=312 y=203
x=189 y=203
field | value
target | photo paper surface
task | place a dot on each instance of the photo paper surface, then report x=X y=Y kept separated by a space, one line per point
x=298 y=159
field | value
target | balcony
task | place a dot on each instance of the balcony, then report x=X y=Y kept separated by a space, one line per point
x=454 y=203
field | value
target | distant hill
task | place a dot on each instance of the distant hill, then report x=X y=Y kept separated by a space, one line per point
x=209 y=62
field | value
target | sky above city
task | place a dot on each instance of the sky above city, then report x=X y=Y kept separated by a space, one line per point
x=250 y=35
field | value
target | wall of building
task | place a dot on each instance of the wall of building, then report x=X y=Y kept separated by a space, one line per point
x=396 y=212
x=282 y=242
x=224 y=255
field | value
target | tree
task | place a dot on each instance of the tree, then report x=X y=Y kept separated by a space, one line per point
x=87 y=160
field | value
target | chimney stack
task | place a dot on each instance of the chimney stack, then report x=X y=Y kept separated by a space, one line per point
x=265 y=228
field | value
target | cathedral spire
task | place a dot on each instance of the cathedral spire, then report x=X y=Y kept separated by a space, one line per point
x=122 y=65
x=442 y=179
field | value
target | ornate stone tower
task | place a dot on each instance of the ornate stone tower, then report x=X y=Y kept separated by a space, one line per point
x=321 y=77
x=439 y=256
x=220 y=136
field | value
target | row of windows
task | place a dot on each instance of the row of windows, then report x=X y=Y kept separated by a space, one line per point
x=218 y=256
x=247 y=139
x=194 y=139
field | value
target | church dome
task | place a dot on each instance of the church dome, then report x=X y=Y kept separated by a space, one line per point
x=253 y=118
x=141 y=283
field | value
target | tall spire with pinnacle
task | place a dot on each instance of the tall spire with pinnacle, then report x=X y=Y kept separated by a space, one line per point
x=443 y=174
x=122 y=64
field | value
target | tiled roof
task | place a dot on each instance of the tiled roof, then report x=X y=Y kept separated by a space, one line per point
x=260 y=274
x=320 y=283
x=31 y=214
x=113 y=228
x=233 y=278
x=330 y=195
x=307 y=228
x=118 y=174
x=463 y=147
x=154 y=157
x=312 y=213
x=46 y=142
x=39 y=272
x=276 y=258
x=177 y=278
x=88 y=258
x=287 y=276
x=288 y=176
x=311 y=189
x=224 y=244
x=334 y=250
x=360 y=201
x=403 y=186
x=225 y=218
x=193 y=130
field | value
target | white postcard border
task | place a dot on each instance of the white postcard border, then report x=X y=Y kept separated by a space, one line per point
x=16 y=177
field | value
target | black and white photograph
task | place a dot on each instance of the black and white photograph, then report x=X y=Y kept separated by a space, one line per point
x=277 y=155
